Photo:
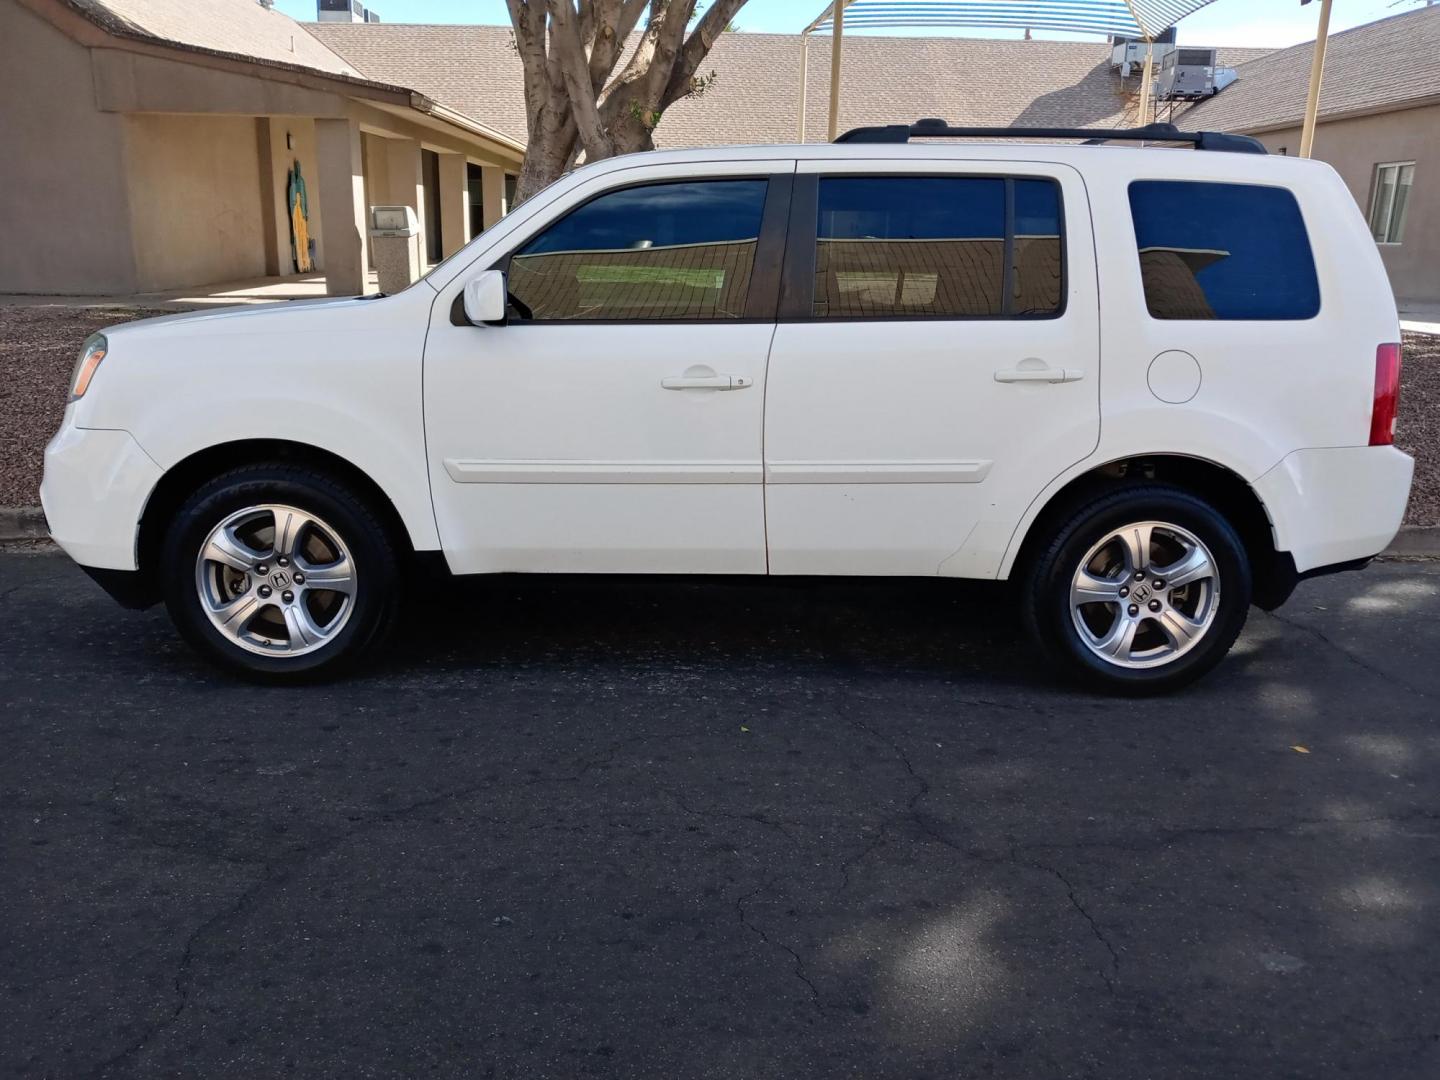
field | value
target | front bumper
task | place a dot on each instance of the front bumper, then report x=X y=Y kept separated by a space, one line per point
x=94 y=492
x=1336 y=505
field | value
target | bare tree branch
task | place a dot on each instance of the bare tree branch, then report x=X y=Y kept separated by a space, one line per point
x=592 y=14
x=610 y=38
x=567 y=53
x=702 y=39
x=569 y=50
x=530 y=43
x=676 y=19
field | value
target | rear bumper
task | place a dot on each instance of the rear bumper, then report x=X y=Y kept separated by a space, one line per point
x=94 y=492
x=1336 y=505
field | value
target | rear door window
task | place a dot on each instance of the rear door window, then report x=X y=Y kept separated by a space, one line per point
x=1223 y=251
x=938 y=246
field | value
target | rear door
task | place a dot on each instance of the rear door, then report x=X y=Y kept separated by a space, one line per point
x=936 y=362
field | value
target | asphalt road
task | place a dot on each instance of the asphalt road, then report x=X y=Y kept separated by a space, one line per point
x=720 y=830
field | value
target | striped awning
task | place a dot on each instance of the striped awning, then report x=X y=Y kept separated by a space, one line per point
x=1128 y=18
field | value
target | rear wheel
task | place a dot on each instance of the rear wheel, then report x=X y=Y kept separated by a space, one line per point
x=1141 y=591
x=279 y=573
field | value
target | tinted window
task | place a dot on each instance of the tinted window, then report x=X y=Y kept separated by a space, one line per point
x=1222 y=251
x=1039 y=261
x=663 y=251
x=936 y=246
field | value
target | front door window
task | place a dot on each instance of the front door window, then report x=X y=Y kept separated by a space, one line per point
x=672 y=251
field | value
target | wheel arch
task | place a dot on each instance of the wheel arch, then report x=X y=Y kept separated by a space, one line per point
x=182 y=478
x=1218 y=484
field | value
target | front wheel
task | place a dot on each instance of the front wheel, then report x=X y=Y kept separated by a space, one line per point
x=279 y=572
x=1141 y=591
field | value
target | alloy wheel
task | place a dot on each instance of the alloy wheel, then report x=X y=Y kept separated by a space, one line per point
x=1145 y=594
x=276 y=580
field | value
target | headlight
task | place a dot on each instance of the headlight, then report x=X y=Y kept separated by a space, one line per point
x=91 y=353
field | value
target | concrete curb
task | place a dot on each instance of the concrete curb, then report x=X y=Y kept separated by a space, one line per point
x=28 y=523
x=22 y=523
x=1416 y=540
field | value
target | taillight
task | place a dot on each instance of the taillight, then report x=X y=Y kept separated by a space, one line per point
x=1387 y=394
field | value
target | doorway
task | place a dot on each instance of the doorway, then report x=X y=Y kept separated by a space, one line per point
x=430 y=178
x=475 y=197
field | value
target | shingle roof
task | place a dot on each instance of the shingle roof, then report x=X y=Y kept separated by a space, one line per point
x=254 y=34
x=476 y=70
x=473 y=69
x=237 y=27
x=1383 y=65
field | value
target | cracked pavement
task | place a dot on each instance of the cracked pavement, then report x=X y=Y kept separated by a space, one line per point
x=720 y=829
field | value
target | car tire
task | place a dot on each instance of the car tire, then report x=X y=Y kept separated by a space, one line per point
x=233 y=568
x=1122 y=627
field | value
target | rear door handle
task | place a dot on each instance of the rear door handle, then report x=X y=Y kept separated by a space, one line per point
x=707 y=382
x=1045 y=375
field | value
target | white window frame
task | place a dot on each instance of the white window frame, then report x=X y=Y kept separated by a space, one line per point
x=1377 y=187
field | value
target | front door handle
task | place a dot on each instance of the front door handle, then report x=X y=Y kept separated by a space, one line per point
x=707 y=382
x=1039 y=374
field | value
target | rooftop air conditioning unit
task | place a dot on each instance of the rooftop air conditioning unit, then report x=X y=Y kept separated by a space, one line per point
x=351 y=11
x=1127 y=54
x=1190 y=74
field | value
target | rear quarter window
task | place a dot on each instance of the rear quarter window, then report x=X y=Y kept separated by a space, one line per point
x=1222 y=251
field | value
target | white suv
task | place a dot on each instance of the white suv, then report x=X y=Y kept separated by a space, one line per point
x=1150 y=385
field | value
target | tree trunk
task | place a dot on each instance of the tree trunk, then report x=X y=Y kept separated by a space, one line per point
x=630 y=119
x=568 y=49
x=547 y=157
x=633 y=139
x=550 y=151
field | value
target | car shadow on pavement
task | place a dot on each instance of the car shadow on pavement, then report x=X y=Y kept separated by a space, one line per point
x=937 y=626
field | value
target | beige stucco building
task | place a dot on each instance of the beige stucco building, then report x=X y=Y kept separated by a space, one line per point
x=1364 y=150
x=154 y=144
x=1379 y=126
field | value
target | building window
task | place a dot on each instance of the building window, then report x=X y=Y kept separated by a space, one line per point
x=660 y=251
x=938 y=247
x=1222 y=251
x=1388 y=200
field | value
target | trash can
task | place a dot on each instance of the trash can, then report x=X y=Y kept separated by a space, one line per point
x=395 y=240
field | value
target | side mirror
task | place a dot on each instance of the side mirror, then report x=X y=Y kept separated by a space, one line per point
x=485 y=298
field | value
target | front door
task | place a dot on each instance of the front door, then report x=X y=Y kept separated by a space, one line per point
x=614 y=424
x=935 y=366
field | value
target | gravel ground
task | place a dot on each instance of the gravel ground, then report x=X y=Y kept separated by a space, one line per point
x=38 y=345
x=1418 y=429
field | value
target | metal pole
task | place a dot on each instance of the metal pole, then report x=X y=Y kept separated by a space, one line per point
x=804 y=80
x=837 y=32
x=1145 y=81
x=1317 y=69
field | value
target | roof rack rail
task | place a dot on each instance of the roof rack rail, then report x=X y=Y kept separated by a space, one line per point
x=932 y=128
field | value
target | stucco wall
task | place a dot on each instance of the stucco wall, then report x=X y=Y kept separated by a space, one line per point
x=194 y=186
x=1354 y=147
x=64 y=221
